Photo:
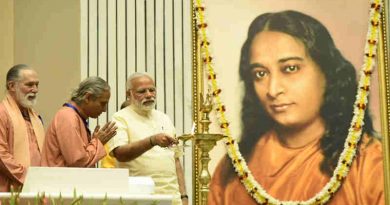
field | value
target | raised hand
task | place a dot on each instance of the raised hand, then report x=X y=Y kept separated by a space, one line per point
x=105 y=133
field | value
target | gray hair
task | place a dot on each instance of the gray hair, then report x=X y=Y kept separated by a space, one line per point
x=93 y=85
x=133 y=76
x=14 y=73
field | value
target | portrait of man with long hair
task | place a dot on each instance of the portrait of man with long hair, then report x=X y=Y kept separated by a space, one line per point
x=298 y=90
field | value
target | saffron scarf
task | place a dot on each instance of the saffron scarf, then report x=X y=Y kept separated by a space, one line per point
x=21 y=140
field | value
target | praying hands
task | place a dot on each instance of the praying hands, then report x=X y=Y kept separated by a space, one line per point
x=105 y=133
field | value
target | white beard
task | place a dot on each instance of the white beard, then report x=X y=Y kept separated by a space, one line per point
x=142 y=107
x=24 y=99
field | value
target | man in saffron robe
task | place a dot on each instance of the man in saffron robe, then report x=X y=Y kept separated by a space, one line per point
x=21 y=129
x=68 y=142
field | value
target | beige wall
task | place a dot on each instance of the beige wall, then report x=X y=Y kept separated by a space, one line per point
x=47 y=37
x=6 y=40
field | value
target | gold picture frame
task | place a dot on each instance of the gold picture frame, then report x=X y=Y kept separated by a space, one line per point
x=200 y=86
x=384 y=47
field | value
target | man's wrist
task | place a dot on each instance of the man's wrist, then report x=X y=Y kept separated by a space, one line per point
x=151 y=141
x=184 y=196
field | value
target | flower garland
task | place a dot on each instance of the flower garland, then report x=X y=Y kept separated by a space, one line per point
x=355 y=130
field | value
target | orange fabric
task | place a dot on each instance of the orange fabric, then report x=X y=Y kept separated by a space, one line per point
x=21 y=139
x=293 y=174
x=12 y=171
x=66 y=142
x=35 y=153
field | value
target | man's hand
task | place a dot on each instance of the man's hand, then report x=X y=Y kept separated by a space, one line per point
x=184 y=201
x=163 y=140
x=105 y=133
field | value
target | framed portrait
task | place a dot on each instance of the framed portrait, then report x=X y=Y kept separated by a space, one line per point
x=238 y=52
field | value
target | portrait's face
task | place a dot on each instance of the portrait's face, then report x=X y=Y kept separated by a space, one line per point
x=26 y=88
x=95 y=107
x=143 y=93
x=288 y=83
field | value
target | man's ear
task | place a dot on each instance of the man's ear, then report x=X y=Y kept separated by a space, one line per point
x=87 y=97
x=128 y=94
x=11 y=86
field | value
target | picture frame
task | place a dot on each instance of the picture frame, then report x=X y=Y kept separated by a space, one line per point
x=227 y=25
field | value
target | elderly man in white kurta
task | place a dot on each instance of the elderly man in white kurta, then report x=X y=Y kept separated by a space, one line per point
x=142 y=139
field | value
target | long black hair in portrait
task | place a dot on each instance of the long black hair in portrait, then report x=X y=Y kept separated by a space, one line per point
x=339 y=96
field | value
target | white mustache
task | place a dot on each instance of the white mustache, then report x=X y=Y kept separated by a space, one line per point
x=31 y=95
x=25 y=101
x=149 y=99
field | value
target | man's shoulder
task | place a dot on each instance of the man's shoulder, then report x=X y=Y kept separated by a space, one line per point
x=369 y=156
x=3 y=112
x=2 y=108
x=123 y=112
x=124 y=115
x=65 y=112
x=128 y=112
x=370 y=146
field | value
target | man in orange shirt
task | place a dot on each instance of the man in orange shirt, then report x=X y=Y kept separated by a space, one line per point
x=69 y=142
x=21 y=129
